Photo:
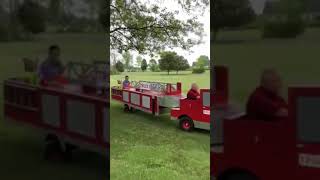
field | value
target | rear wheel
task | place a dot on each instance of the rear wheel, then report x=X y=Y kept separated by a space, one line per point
x=53 y=150
x=126 y=108
x=186 y=124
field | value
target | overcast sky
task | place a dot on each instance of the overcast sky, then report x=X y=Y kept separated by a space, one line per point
x=258 y=5
x=196 y=51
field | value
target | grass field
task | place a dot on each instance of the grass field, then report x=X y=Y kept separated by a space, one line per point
x=148 y=147
x=20 y=148
x=246 y=55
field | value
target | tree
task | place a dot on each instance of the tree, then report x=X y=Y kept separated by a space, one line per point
x=138 y=61
x=32 y=16
x=149 y=28
x=104 y=15
x=153 y=65
x=203 y=61
x=288 y=21
x=167 y=61
x=144 y=65
x=181 y=64
x=119 y=66
x=230 y=13
x=127 y=59
x=54 y=11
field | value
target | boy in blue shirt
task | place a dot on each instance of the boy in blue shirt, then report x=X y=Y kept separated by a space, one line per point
x=52 y=67
x=126 y=82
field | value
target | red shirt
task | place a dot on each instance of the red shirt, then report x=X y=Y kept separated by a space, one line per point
x=263 y=104
x=193 y=94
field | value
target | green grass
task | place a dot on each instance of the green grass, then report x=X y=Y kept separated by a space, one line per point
x=246 y=55
x=148 y=147
x=21 y=148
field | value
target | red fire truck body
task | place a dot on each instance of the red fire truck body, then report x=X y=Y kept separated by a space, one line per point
x=155 y=97
x=252 y=149
x=150 y=97
x=65 y=112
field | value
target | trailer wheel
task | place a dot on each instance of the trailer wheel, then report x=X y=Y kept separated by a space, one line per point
x=53 y=150
x=239 y=176
x=69 y=148
x=126 y=108
x=132 y=109
x=186 y=123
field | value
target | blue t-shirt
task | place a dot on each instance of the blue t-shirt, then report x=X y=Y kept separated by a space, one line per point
x=50 y=69
x=125 y=83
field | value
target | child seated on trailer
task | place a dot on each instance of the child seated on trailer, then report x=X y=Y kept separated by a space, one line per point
x=126 y=82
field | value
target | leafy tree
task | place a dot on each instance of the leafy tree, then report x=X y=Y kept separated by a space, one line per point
x=32 y=16
x=55 y=11
x=167 y=61
x=288 y=21
x=149 y=28
x=153 y=65
x=144 y=65
x=138 y=61
x=230 y=13
x=198 y=70
x=119 y=66
x=203 y=61
x=104 y=15
x=127 y=59
x=181 y=64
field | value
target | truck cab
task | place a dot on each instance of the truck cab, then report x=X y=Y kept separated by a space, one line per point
x=243 y=148
x=193 y=113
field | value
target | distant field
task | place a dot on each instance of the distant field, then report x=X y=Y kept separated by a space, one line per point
x=148 y=147
x=246 y=54
x=20 y=148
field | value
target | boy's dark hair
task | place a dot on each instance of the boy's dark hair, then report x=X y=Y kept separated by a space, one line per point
x=54 y=47
x=126 y=76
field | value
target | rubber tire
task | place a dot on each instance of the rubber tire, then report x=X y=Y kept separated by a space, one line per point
x=69 y=148
x=133 y=110
x=126 y=108
x=53 y=150
x=184 y=119
x=240 y=176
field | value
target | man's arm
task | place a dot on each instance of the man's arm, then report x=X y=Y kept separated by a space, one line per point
x=267 y=107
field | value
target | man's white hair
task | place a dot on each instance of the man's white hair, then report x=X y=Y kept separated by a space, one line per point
x=267 y=74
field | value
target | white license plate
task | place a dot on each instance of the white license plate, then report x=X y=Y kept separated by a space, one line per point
x=309 y=160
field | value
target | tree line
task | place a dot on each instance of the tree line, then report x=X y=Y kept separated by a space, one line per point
x=286 y=19
x=26 y=18
x=169 y=61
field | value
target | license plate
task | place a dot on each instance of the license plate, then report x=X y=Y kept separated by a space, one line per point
x=309 y=160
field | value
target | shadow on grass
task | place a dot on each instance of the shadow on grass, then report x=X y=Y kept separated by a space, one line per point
x=165 y=121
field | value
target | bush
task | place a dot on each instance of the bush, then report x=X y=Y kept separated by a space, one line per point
x=283 y=29
x=198 y=70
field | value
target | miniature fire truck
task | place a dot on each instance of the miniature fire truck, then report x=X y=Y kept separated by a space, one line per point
x=252 y=149
x=155 y=98
x=193 y=113
x=69 y=115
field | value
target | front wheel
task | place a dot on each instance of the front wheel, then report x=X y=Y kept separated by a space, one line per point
x=186 y=124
